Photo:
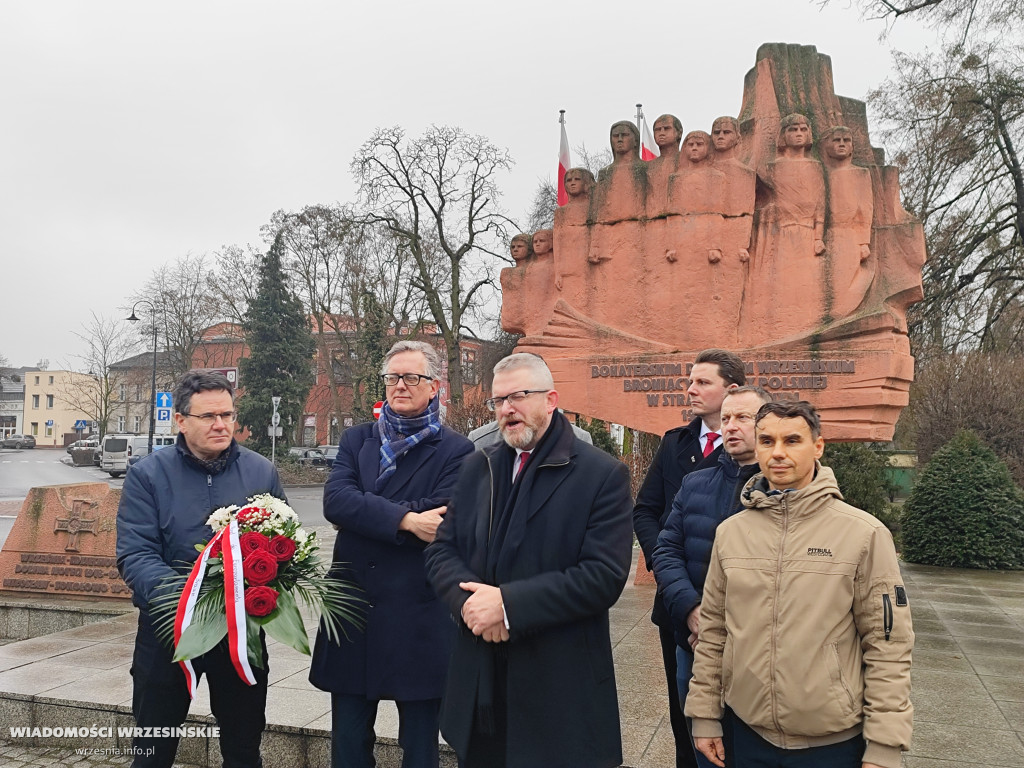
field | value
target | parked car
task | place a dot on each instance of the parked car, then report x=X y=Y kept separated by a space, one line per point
x=88 y=442
x=310 y=457
x=330 y=453
x=117 y=449
x=19 y=441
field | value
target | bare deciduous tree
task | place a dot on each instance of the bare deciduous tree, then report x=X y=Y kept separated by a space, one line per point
x=94 y=389
x=955 y=122
x=439 y=195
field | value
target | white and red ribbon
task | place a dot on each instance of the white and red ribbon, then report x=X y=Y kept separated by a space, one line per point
x=234 y=603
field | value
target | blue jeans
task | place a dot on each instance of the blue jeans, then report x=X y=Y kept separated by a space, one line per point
x=352 y=735
x=684 y=671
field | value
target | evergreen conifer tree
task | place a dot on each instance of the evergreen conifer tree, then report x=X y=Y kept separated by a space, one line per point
x=965 y=511
x=280 y=357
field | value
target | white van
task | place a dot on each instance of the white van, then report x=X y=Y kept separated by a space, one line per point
x=117 y=449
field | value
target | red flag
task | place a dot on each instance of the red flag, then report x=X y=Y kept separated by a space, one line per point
x=563 y=166
x=648 y=149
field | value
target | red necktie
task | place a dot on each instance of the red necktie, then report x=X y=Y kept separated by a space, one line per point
x=710 y=445
x=523 y=458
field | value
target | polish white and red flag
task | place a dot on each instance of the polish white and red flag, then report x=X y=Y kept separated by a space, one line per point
x=648 y=149
x=563 y=166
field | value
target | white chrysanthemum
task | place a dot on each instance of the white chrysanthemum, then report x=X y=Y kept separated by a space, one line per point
x=221 y=518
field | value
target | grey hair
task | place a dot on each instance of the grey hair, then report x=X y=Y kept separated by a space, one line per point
x=533 y=363
x=433 y=358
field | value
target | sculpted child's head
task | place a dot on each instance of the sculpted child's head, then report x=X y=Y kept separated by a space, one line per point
x=521 y=247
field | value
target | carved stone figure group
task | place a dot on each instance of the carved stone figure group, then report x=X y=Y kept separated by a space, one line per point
x=697 y=225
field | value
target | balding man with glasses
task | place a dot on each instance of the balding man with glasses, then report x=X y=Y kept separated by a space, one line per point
x=165 y=503
x=387 y=494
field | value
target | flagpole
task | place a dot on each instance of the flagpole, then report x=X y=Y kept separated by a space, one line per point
x=563 y=160
x=639 y=115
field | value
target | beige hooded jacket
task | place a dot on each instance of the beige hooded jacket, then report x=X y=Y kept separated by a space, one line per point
x=805 y=627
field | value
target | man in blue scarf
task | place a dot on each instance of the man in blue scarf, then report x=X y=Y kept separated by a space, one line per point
x=387 y=494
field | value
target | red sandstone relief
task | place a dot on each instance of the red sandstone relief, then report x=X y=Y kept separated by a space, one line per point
x=778 y=235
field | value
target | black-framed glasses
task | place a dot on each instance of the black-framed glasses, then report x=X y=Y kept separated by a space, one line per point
x=494 y=403
x=410 y=379
x=209 y=419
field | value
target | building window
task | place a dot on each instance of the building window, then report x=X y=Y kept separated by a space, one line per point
x=35 y=429
x=49 y=430
x=37 y=379
x=138 y=424
x=35 y=402
x=122 y=391
x=120 y=423
x=49 y=401
x=51 y=379
x=138 y=392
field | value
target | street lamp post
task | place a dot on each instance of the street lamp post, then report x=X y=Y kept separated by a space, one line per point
x=152 y=394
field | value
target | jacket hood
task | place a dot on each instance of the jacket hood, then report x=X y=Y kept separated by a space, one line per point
x=757 y=494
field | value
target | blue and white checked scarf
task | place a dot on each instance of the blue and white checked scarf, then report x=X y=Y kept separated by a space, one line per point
x=399 y=434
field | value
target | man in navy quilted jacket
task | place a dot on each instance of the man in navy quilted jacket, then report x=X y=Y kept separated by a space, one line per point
x=705 y=499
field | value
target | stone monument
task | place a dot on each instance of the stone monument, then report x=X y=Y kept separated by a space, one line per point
x=63 y=543
x=778 y=235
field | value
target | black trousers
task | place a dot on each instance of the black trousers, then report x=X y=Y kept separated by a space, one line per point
x=684 y=751
x=160 y=698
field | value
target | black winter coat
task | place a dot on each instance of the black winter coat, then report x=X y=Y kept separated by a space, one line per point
x=565 y=560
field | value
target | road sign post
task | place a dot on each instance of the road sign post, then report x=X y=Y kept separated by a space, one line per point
x=274 y=430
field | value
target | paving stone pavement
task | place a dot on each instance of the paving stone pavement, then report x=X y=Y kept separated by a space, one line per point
x=968 y=678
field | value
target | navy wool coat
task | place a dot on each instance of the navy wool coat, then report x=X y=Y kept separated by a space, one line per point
x=402 y=652
x=565 y=561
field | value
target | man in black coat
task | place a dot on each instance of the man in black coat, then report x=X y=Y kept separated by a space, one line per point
x=387 y=494
x=682 y=450
x=534 y=550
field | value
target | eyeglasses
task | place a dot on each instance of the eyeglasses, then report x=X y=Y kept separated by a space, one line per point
x=494 y=403
x=410 y=379
x=209 y=419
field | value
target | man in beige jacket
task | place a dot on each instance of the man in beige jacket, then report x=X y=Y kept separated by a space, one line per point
x=805 y=626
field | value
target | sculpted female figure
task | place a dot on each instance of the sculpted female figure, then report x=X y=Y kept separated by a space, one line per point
x=572 y=235
x=790 y=238
x=514 y=301
x=851 y=213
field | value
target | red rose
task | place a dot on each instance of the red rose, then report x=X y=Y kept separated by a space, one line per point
x=282 y=548
x=250 y=515
x=252 y=541
x=260 y=601
x=259 y=568
x=215 y=548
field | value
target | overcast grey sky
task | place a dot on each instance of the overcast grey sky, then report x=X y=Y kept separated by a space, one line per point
x=137 y=132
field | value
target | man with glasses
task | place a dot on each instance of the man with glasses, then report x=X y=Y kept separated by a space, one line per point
x=535 y=548
x=165 y=502
x=387 y=494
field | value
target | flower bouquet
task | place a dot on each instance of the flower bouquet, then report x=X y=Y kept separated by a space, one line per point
x=254 y=572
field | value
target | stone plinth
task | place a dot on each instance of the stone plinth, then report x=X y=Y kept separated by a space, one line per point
x=63 y=543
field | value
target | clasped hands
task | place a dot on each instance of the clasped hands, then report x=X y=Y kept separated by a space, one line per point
x=483 y=612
